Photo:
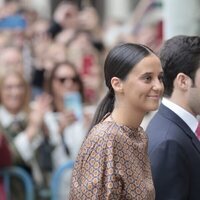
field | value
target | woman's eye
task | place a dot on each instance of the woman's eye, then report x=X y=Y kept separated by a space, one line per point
x=160 y=78
x=148 y=78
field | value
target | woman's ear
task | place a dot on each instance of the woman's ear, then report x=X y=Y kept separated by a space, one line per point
x=117 y=84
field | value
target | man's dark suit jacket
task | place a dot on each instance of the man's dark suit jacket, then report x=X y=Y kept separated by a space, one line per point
x=174 y=152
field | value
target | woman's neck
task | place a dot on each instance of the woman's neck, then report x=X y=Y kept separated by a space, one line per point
x=127 y=118
x=12 y=111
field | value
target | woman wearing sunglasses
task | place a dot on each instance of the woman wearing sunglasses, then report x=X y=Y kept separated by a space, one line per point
x=66 y=120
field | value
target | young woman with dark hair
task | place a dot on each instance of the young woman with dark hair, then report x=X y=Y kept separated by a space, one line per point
x=113 y=162
x=63 y=119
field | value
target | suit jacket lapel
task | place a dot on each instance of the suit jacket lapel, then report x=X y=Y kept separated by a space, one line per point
x=169 y=114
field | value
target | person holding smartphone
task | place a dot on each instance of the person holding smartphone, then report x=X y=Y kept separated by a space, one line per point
x=66 y=89
x=66 y=119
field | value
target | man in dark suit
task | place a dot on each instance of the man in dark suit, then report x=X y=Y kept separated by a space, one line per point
x=174 y=148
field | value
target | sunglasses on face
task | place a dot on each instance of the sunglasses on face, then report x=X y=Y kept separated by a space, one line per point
x=62 y=80
x=68 y=14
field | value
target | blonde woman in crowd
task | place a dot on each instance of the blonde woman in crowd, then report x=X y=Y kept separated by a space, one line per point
x=21 y=124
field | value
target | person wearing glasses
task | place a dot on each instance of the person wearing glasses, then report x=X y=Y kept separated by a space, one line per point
x=66 y=119
x=63 y=82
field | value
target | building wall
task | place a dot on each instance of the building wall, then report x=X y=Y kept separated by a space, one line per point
x=43 y=7
x=181 y=17
x=118 y=9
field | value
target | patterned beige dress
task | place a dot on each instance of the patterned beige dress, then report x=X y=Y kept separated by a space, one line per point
x=113 y=164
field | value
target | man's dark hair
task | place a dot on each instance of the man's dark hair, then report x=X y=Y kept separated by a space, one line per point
x=180 y=54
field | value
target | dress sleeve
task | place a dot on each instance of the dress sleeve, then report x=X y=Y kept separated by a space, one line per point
x=96 y=175
x=109 y=170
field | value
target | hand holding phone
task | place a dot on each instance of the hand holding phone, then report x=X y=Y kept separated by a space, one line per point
x=72 y=102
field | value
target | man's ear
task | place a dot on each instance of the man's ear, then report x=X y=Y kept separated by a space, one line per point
x=117 y=84
x=183 y=81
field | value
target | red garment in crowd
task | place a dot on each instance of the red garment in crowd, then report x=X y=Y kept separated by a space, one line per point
x=5 y=161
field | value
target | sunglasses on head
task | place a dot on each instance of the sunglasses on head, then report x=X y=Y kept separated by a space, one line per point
x=64 y=79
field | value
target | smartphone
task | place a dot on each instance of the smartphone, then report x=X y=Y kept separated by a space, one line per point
x=72 y=102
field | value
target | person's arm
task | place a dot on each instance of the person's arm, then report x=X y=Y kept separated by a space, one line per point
x=96 y=175
x=59 y=20
x=114 y=167
x=170 y=171
x=27 y=141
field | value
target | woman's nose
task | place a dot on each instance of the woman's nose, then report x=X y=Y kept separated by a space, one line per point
x=158 y=85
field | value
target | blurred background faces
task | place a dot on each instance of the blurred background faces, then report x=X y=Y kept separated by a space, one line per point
x=50 y=49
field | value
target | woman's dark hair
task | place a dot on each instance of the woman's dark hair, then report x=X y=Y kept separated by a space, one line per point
x=73 y=67
x=119 y=62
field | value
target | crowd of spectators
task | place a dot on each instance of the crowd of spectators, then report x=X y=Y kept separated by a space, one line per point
x=41 y=62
